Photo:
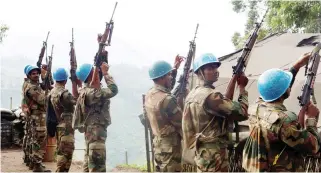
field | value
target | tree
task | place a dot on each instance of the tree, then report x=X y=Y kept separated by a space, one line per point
x=290 y=16
x=3 y=29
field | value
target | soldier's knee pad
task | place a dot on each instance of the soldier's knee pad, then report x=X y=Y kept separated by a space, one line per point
x=97 y=152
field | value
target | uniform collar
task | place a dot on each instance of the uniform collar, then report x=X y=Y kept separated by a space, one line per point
x=276 y=105
x=33 y=82
x=206 y=84
x=57 y=85
x=162 y=88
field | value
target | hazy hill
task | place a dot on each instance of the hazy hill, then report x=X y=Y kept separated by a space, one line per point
x=125 y=132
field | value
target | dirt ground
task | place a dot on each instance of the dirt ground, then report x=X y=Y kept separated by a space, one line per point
x=11 y=161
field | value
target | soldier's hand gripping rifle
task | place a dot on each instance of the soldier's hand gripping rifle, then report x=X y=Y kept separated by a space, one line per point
x=239 y=68
x=308 y=87
x=101 y=55
x=180 y=90
x=47 y=82
x=39 y=62
x=73 y=60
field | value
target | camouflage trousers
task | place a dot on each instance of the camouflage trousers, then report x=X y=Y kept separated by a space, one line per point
x=167 y=154
x=95 y=154
x=38 y=139
x=26 y=145
x=211 y=157
x=65 y=144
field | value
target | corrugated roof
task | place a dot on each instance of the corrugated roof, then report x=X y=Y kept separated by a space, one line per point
x=277 y=51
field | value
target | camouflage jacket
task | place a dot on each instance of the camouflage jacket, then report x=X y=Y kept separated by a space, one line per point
x=92 y=106
x=34 y=97
x=62 y=101
x=24 y=105
x=163 y=112
x=281 y=135
x=204 y=103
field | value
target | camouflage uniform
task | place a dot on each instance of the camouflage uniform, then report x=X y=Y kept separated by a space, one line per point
x=27 y=130
x=165 y=118
x=202 y=104
x=35 y=99
x=92 y=112
x=63 y=103
x=282 y=135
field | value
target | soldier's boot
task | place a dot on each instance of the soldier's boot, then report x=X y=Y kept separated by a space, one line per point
x=27 y=161
x=31 y=165
x=40 y=168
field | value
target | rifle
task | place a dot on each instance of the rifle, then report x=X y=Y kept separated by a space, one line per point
x=146 y=136
x=238 y=69
x=42 y=51
x=73 y=60
x=47 y=83
x=100 y=56
x=308 y=86
x=180 y=90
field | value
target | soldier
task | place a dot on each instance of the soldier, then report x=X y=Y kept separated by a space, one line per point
x=283 y=139
x=165 y=116
x=206 y=113
x=92 y=114
x=63 y=104
x=26 y=137
x=35 y=100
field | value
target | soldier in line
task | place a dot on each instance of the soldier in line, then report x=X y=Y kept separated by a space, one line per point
x=63 y=104
x=165 y=116
x=27 y=133
x=283 y=139
x=92 y=114
x=206 y=114
x=35 y=101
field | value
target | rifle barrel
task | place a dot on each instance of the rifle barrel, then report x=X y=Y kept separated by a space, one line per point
x=113 y=12
x=47 y=36
x=195 y=33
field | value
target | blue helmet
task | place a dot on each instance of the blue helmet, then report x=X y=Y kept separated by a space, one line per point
x=273 y=83
x=60 y=74
x=159 y=69
x=83 y=71
x=205 y=59
x=30 y=68
x=25 y=69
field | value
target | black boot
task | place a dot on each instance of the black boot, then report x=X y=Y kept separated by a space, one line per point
x=40 y=168
x=27 y=161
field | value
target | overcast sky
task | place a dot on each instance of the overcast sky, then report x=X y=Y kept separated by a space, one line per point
x=145 y=30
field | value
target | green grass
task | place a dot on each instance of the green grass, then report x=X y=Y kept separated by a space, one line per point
x=142 y=168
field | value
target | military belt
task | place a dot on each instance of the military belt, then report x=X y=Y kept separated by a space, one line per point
x=37 y=112
x=212 y=145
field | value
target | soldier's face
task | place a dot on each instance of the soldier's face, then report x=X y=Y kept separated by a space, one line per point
x=34 y=75
x=211 y=72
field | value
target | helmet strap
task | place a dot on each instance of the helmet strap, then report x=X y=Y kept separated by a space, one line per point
x=206 y=82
